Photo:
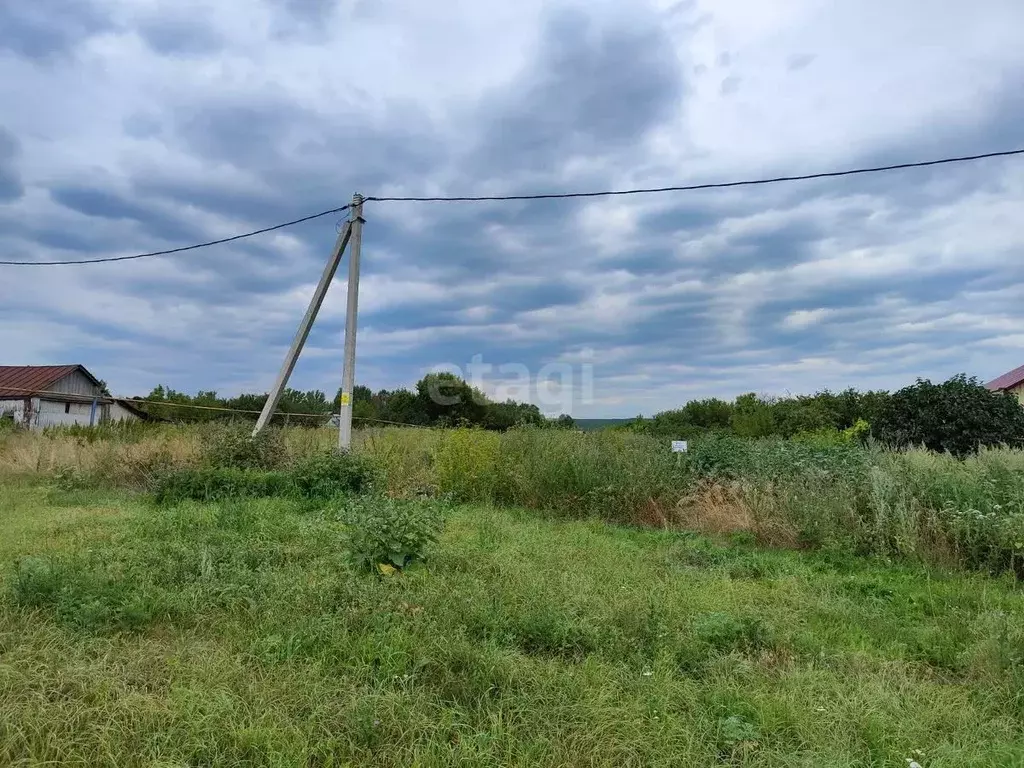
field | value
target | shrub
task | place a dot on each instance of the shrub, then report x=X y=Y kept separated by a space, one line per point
x=325 y=475
x=956 y=417
x=390 y=532
x=233 y=446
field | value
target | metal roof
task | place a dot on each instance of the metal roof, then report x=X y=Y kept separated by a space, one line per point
x=1007 y=380
x=18 y=381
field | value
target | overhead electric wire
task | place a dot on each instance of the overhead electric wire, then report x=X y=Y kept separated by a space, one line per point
x=181 y=249
x=540 y=196
x=694 y=187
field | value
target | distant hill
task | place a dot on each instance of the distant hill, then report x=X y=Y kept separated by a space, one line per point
x=589 y=425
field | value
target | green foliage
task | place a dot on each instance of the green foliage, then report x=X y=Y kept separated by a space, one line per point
x=565 y=421
x=504 y=416
x=616 y=476
x=385 y=531
x=447 y=400
x=7 y=423
x=220 y=484
x=311 y=408
x=829 y=436
x=465 y=463
x=753 y=417
x=316 y=477
x=121 y=431
x=83 y=596
x=727 y=633
x=233 y=446
x=329 y=474
x=235 y=634
x=956 y=417
x=696 y=418
x=72 y=479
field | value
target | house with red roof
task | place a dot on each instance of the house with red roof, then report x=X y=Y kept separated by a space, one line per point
x=40 y=396
x=1012 y=382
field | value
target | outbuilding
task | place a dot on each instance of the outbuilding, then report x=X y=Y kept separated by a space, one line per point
x=40 y=396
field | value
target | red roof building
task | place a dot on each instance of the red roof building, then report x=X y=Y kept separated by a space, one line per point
x=1012 y=382
x=40 y=396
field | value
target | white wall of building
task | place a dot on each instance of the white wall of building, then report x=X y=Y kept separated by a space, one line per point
x=53 y=413
x=117 y=412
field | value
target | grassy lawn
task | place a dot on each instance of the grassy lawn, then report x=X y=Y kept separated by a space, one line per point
x=236 y=634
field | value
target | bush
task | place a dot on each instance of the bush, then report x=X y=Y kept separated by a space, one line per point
x=381 y=531
x=325 y=475
x=956 y=417
x=233 y=446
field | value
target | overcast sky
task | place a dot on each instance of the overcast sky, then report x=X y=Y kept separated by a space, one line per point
x=135 y=125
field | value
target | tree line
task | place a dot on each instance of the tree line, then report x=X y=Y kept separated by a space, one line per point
x=438 y=400
x=956 y=416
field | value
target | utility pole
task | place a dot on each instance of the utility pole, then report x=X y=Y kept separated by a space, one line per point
x=307 y=322
x=348 y=371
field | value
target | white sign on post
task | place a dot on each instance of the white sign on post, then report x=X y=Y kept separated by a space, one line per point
x=679 y=446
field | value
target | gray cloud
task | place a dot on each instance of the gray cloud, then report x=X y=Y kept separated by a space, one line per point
x=11 y=187
x=94 y=202
x=730 y=85
x=42 y=31
x=593 y=91
x=800 y=61
x=180 y=36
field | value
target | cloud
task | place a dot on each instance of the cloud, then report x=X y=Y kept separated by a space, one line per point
x=44 y=32
x=180 y=36
x=11 y=187
x=804 y=318
x=138 y=126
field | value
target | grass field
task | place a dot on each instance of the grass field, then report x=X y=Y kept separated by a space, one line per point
x=237 y=634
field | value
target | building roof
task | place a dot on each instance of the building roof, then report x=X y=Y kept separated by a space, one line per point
x=1007 y=380
x=18 y=381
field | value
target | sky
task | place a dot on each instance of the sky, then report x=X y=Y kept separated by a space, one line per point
x=136 y=125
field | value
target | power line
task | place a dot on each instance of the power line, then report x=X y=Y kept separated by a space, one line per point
x=694 y=187
x=176 y=250
x=540 y=196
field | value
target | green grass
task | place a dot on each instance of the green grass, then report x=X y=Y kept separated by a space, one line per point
x=237 y=633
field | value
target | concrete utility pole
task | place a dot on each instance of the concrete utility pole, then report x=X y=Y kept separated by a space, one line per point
x=348 y=372
x=307 y=322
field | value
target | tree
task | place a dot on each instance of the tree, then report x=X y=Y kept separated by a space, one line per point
x=565 y=421
x=447 y=400
x=505 y=416
x=956 y=417
x=753 y=417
